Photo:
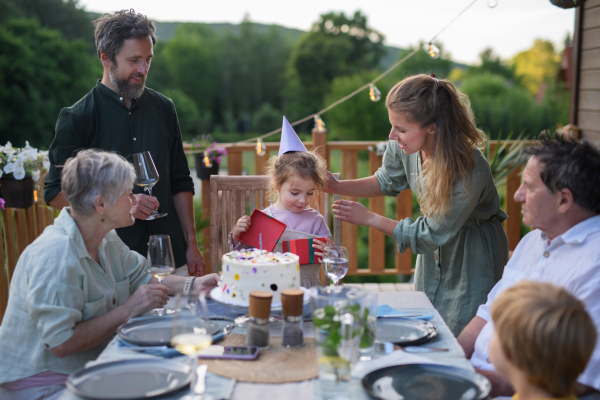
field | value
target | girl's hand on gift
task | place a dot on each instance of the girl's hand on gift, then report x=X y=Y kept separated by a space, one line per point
x=241 y=225
x=351 y=211
x=319 y=246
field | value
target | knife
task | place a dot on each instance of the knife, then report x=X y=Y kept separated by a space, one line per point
x=226 y=331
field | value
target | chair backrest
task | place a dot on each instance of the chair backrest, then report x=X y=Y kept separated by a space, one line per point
x=229 y=198
x=20 y=227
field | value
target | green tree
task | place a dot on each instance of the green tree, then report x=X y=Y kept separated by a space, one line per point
x=537 y=65
x=358 y=118
x=40 y=72
x=490 y=63
x=336 y=46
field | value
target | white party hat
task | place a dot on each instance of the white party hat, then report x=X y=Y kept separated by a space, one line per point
x=289 y=139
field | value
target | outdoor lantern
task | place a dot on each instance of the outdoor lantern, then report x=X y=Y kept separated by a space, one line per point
x=207 y=162
x=433 y=50
x=319 y=124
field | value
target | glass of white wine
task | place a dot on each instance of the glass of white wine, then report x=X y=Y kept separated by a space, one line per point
x=146 y=177
x=160 y=261
x=190 y=332
x=335 y=263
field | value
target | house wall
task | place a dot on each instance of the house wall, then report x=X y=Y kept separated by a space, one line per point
x=588 y=67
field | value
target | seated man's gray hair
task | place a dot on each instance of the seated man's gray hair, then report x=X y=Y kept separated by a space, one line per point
x=571 y=165
x=95 y=172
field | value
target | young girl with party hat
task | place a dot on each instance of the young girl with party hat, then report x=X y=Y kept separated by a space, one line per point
x=296 y=174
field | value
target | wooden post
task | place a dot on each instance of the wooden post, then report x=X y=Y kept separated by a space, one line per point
x=234 y=162
x=513 y=209
x=376 y=238
x=404 y=210
x=206 y=213
x=320 y=147
x=350 y=231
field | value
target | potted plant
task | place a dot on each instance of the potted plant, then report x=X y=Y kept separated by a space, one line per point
x=20 y=169
x=207 y=156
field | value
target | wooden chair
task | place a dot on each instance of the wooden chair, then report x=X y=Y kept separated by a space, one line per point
x=20 y=227
x=229 y=197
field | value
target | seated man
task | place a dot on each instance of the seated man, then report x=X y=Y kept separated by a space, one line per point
x=560 y=196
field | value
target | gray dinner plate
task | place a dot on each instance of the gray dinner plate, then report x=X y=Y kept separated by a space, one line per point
x=130 y=379
x=154 y=331
x=405 y=331
x=426 y=381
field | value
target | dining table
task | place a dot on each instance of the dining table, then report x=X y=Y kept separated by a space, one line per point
x=412 y=302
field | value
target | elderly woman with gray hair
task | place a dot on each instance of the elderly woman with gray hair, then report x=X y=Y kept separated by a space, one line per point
x=77 y=282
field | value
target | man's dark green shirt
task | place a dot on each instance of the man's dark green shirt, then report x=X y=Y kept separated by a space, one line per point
x=100 y=120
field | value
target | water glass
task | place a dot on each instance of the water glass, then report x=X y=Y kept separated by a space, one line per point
x=369 y=327
x=190 y=334
x=335 y=263
x=337 y=320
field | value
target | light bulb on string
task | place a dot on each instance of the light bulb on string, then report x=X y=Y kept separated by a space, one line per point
x=433 y=50
x=319 y=124
x=261 y=149
x=374 y=93
x=206 y=161
x=492 y=3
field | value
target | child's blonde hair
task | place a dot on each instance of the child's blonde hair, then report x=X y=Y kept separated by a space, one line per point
x=545 y=332
x=424 y=100
x=304 y=164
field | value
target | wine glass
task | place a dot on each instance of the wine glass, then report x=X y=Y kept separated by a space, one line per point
x=160 y=261
x=147 y=176
x=335 y=263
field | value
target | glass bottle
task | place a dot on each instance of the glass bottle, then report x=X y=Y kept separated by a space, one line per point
x=258 y=331
x=293 y=325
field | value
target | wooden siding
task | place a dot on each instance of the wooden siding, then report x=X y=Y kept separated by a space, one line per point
x=587 y=57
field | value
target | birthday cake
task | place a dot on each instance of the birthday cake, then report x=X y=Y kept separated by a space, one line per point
x=247 y=270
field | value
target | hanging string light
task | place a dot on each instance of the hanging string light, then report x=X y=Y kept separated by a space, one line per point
x=319 y=124
x=492 y=3
x=374 y=93
x=206 y=161
x=433 y=50
x=261 y=149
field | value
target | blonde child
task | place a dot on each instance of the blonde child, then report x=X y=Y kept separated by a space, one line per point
x=295 y=176
x=542 y=341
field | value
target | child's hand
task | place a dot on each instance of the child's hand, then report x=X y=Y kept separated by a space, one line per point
x=319 y=246
x=241 y=225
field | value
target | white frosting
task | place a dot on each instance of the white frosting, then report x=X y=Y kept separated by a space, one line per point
x=246 y=270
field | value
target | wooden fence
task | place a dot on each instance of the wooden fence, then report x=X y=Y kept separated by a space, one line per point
x=20 y=227
x=349 y=170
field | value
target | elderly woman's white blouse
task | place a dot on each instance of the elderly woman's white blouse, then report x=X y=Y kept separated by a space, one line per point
x=56 y=285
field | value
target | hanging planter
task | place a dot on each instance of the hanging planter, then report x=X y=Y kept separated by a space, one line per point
x=17 y=193
x=202 y=171
x=567 y=3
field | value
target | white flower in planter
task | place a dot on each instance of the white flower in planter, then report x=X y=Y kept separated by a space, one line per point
x=10 y=167
x=35 y=175
x=19 y=173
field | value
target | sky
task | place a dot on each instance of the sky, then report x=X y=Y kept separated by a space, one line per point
x=510 y=27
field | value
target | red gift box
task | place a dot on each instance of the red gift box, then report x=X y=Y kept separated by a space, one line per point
x=303 y=248
x=270 y=228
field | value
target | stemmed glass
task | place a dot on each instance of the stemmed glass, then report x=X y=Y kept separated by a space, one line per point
x=160 y=261
x=147 y=176
x=190 y=335
x=335 y=263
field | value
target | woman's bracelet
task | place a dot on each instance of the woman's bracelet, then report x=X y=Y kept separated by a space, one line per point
x=188 y=285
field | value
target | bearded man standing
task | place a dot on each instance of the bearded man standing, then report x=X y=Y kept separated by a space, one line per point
x=120 y=114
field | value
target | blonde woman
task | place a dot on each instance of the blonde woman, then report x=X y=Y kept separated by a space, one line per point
x=434 y=150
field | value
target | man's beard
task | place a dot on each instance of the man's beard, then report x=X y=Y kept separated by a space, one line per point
x=124 y=87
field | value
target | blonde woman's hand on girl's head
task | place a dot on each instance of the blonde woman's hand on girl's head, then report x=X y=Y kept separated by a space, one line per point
x=241 y=225
x=351 y=211
x=330 y=184
x=319 y=246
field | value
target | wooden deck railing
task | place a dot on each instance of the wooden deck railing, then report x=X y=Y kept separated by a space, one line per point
x=20 y=227
x=349 y=170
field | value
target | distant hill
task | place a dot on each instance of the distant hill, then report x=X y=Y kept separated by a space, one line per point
x=165 y=30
